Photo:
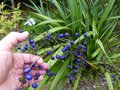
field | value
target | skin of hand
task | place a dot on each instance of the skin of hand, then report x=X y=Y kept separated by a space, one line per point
x=12 y=64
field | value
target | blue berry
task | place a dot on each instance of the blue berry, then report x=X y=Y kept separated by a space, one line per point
x=63 y=50
x=70 y=78
x=37 y=74
x=85 y=35
x=48 y=70
x=49 y=52
x=62 y=57
x=20 y=88
x=66 y=34
x=24 y=82
x=76 y=66
x=31 y=41
x=77 y=60
x=68 y=75
x=69 y=66
x=119 y=78
x=71 y=42
x=113 y=76
x=49 y=74
x=33 y=45
x=40 y=67
x=26 y=47
x=55 y=73
x=29 y=77
x=53 y=58
x=60 y=35
x=104 y=79
x=85 y=43
x=27 y=70
x=76 y=34
x=34 y=85
x=68 y=47
x=75 y=71
x=21 y=31
x=79 y=46
x=19 y=48
x=58 y=56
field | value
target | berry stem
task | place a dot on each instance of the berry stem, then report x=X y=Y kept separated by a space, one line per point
x=36 y=60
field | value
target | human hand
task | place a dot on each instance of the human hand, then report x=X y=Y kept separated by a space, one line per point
x=12 y=64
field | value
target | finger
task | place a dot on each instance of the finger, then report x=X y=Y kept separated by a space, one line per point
x=22 y=59
x=33 y=72
x=12 y=39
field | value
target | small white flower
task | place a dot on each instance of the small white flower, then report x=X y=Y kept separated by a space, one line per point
x=30 y=22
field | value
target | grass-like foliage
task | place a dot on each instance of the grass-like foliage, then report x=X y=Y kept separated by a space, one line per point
x=96 y=18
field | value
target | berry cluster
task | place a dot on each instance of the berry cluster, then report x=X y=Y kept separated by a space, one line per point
x=78 y=52
x=28 y=76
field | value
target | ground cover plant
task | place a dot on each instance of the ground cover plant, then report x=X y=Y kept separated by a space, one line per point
x=77 y=38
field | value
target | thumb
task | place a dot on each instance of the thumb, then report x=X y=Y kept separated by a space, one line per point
x=12 y=39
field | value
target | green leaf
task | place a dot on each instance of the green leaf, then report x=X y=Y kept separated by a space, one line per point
x=48 y=22
x=96 y=52
x=115 y=56
x=77 y=81
x=37 y=9
x=59 y=74
x=109 y=81
x=105 y=13
x=59 y=9
x=103 y=49
x=61 y=84
x=50 y=31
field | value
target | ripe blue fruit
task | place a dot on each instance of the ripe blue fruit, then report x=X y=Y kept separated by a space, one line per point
x=76 y=66
x=76 y=34
x=85 y=35
x=49 y=74
x=79 y=46
x=68 y=47
x=60 y=35
x=58 y=56
x=75 y=71
x=69 y=66
x=119 y=78
x=21 y=31
x=29 y=77
x=66 y=34
x=37 y=74
x=49 y=52
x=63 y=50
x=52 y=57
x=40 y=67
x=33 y=45
x=71 y=42
x=34 y=85
x=31 y=41
x=85 y=43
x=62 y=57
x=47 y=70
x=20 y=88
x=24 y=82
x=27 y=70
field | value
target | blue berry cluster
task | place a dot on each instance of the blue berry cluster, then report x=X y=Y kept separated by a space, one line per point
x=27 y=76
